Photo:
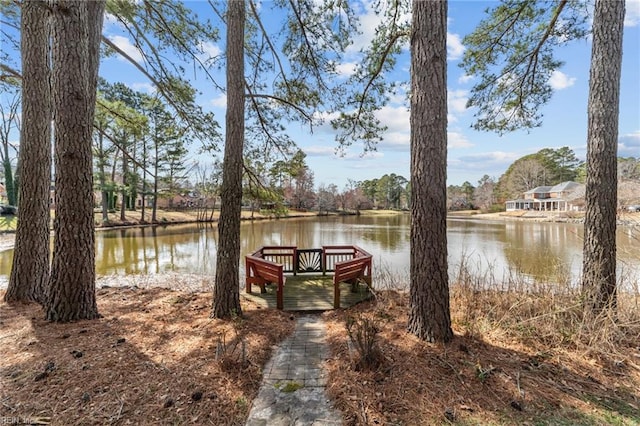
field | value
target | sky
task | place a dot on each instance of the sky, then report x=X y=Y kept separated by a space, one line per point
x=471 y=154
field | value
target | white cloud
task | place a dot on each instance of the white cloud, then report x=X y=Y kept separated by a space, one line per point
x=346 y=69
x=210 y=50
x=455 y=48
x=464 y=79
x=560 y=80
x=143 y=87
x=632 y=13
x=320 y=151
x=629 y=144
x=457 y=100
x=330 y=150
x=396 y=141
x=488 y=161
x=368 y=23
x=456 y=104
x=127 y=47
x=457 y=140
x=395 y=118
x=325 y=116
x=220 y=101
x=357 y=155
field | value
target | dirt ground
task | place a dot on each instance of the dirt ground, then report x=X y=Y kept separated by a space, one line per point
x=492 y=379
x=155 y=357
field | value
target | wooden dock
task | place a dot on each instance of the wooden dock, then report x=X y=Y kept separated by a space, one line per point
x=309 y=293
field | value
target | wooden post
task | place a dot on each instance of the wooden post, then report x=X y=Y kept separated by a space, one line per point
x=324 y=261
x=336 y=295
x=280 y=292
x=247 y=281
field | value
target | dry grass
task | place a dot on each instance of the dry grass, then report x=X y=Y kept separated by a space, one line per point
x=179 y=216
x=519 y=356
x=154 y=358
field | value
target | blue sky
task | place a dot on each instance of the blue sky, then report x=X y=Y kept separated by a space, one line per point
x=471 y=153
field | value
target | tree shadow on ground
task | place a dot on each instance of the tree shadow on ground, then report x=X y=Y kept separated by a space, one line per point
x=153 y=358
x=470 y=381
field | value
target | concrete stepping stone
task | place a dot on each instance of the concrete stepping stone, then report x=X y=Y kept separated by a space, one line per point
x=293 y=389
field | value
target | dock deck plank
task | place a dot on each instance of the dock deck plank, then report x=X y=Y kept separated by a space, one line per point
x=309 y=293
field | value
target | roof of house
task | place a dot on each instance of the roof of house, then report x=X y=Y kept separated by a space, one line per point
x=538 y=190
x=564 y=186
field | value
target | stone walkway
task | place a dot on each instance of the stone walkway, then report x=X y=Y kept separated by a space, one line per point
x=294 y=382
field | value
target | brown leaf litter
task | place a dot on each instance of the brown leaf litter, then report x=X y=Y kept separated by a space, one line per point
x=155 y=357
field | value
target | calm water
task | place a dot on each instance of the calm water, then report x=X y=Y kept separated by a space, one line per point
x=542 y=251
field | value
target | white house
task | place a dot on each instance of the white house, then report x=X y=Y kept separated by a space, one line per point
x=563 y=197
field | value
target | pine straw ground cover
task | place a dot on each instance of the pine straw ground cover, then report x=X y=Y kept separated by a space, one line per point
x=154 y=358
x=517 y=358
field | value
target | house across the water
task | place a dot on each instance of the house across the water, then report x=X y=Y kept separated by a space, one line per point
x=563 y=197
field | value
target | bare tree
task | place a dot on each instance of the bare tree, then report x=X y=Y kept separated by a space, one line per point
x=526 y=174
x=10 y=122
x=483 y=194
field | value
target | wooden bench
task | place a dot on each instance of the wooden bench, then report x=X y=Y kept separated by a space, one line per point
x=351 y=271
x=262 y=272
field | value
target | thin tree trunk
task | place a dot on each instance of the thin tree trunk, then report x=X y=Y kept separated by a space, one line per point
x=8 y=179
x=429 y=316
x=154 y=209
x=30 y=269
x=144 y=181
x=10 y=121
x=104 y=196
x=75 y=57
x=226 y=296
x=123 y=202
x=599 y=252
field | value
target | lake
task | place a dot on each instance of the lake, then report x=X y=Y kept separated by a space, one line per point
x=544 y=252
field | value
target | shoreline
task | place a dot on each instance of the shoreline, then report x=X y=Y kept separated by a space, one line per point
x=623 y=218
x=7 y=237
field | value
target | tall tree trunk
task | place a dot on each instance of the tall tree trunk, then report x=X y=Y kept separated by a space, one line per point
x=226 y=296
x=599 y=252
x=144 y=182
x=102 y=177
x=156 y=168
x=123 y=193
x=9 y=186
x=30 y=269
x=429 y=316
x=75 y=55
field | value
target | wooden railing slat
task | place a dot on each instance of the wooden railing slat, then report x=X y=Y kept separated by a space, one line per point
x=268 y=264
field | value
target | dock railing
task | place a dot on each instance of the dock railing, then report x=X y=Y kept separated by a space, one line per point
x=348 y=262
x=284 y=255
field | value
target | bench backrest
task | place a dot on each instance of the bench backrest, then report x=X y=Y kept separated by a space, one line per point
x=266 y=269
x=359 y=267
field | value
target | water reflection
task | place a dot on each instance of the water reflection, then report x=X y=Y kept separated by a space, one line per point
x=547 y=253
x=543 y=251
